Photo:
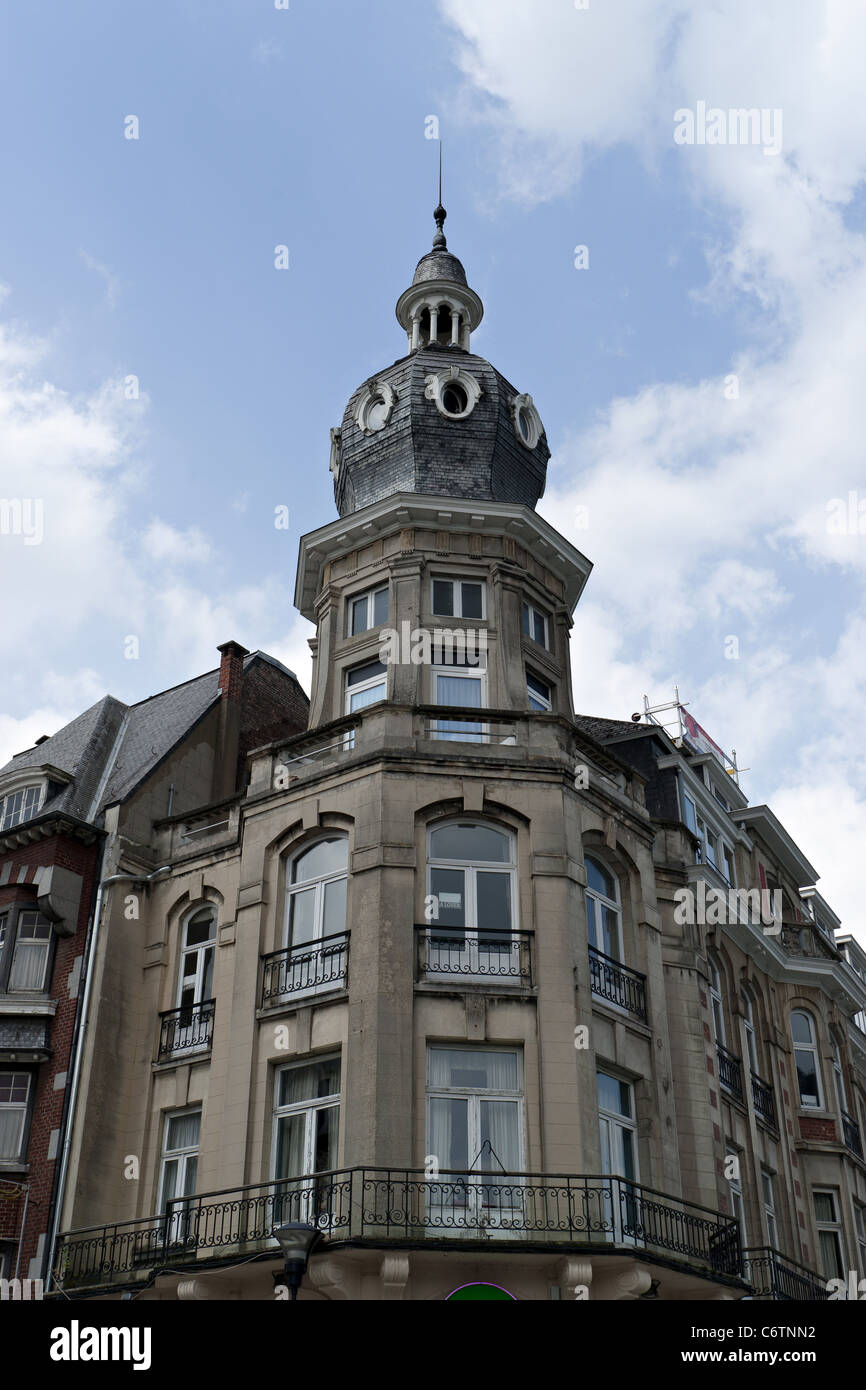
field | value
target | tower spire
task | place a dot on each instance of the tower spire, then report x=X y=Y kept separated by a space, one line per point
x=439 y=242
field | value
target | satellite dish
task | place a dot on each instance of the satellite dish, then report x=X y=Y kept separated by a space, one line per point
x=636 y=718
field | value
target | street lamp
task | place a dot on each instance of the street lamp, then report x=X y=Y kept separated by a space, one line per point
x=297 y=1240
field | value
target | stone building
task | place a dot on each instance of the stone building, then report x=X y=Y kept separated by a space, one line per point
x=438 y=982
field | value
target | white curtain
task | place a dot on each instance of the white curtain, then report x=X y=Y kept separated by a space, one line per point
x=11 y=1125
x=28 y=965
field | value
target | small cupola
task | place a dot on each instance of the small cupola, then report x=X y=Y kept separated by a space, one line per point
x=439 y=308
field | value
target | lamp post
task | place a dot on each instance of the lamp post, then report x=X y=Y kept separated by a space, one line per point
x=297 y=1240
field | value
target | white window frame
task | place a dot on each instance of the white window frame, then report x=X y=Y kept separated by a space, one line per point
x=369 y=596
x=738 y=1207
x=833 y=1228
x=318 y=885
x=528 y=613
x=179 y=1204
x=812 y=1047
x=10 y=1106
x=380 y=678
x=751 y=1032
x=41 y=924
x=768 y=1195
x=839 y=1076
x=474 y=1095
x=546 y=702
x=609 y=1122
x=717 y=1002
x=463 y=732
x=457 y=594
x=472 y=950
x=306 y=1207
x=199 y=949
x=11 y=814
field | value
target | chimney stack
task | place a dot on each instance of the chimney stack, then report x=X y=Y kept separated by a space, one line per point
x=225 y=771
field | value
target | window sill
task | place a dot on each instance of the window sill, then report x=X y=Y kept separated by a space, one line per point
x=37 y=1004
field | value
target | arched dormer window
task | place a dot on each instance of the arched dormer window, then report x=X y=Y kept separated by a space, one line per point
x=472 y=901
x=805 y=1039
x=20 y=805
x=314 y=929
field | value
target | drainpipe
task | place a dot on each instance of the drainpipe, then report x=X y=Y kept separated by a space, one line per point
x=89 y=970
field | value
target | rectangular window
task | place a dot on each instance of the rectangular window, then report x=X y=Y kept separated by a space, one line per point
x=458 y=598
x=32 y=944
x=14 y=1098
x=365 y=685
x=738 y=1211
x=728 y=865
x=539 y=692
x=475 y=1129
x=690 y=814
x=19 y=806
x=466 y=688
x=829 y=1233
x=179 y=1172
x=368 y=610
x=769 y=1195
x=306 y=1138
x=536 y=625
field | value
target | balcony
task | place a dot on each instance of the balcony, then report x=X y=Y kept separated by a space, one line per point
x=851 y=1134
x=773 y=1275
x=763 y=1100
x=375 y=1206
x=615 y=982
x=483 y=955
x=186 y=1030
x=730 y=1071
x=297 y=970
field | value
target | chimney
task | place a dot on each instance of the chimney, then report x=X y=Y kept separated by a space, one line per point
x=225 y=770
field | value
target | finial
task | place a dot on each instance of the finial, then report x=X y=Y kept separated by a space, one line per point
x=440 y=214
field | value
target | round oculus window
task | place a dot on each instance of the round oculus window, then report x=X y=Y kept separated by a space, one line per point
x=454 y=398
x=524 y=424
x=377 y=413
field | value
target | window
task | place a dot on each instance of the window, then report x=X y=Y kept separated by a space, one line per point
x=806 y=1060
x=751 y=1038
x=829 y=1233
x=839 y=1076
x=475 y=1126
x=467 y=688
x=306 y=1136
x=365 y=685
x=727 y=865
x=30 y=959
x=539 y=692
x=472 y=876
x=458 y=598
x=14 y=1099
x=708 y=850
x=196 y=967
x=536 y=625
x=368 y=610
x=618 y=1134
x=738 y=1211
x=179 y=1171
x=716 y=1001
x=769 y=1195
x=20 y=805
x=860 y=1229
x=315 y=913
x=604 y=919
x=690 y=814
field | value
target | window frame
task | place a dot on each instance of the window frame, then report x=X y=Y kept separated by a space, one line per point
x=546 y=702
x=369 y=596
x=529 y=611
x=312 y=1197
x=833 y=1228
x=199 y=948
x=40 y=787
x=810 y=1047
x=25 y=1106
x=380 y=678
x=752 y=1051
x=318 y=884
x=768 y=1200
x=615 y=904
x=464 y=732
x=717 y=1001
x=839 y=1075
x=474 y=1096
x=16 y=940
x=456 y=582
x=471 y=868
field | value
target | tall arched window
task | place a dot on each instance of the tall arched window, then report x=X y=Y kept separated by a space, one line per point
x=717 y=1001
x=751 y=1036
x=603 y=912
x=472 y=899
x=805 y=1040
x=190 y=1027
x=314 y=953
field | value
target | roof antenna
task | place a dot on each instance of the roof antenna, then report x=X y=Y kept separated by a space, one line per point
x=440 y=214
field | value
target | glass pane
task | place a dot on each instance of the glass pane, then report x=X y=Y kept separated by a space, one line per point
x=28 y=966
x=825 y=1206
x=169 y=1181
x=291 y=1135
x=335 y=908
x=325 y=857
x=473 y=1069
x=447 y=885
x=606 y=1156
x=312 y=1082
x=380 y=607
x=190 y=1172
x=480 y=844
x=360 y=699
x=599 y=879
x=183 y=1131
x=14 y=1087
x=526 y=620
x=358 y=674
x=200 y=927
x=610 y=931
x=539 y=625
x=359 y=615
x=494 y=900
x=539 y=705
x=801 y=1028
x=689 y=812
x=325 y=1139
x=459 y=690
x=832 y=1264
x=539 y=687
x=207 y=975
x=807 y=1078
x=628 y=1166
x=443 y=598
x=302 y=917
x=449 y=1132
x=614 y=1095
x=11 y=1131
x=471 y=599
x=499 y=1128
x=591 y=922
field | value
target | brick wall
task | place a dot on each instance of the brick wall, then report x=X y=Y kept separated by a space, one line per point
x=813 y=1128
x=272 y=706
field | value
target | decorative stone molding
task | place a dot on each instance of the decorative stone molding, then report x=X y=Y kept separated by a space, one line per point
x=378 y=396
x=394 y=1273
x=527 y=421
x=336 y=462
x=574 y=1274
x=334 y=1279
x=436 y=386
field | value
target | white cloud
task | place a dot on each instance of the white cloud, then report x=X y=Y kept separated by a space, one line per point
x=168 y=545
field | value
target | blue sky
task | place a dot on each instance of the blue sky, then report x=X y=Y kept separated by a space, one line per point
x=306 y=127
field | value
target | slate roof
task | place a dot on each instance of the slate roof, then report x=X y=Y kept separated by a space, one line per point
x=439 y=265
x=607 y=730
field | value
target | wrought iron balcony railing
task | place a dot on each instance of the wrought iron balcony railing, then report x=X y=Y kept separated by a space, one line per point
x=763 y=1100
x=612 y=980
x=482 y=953
x=188 y=1029
x=851 y=1134
x=321 y=964
x=773 y=1275
x=730 y=1071
x=550 y=1212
